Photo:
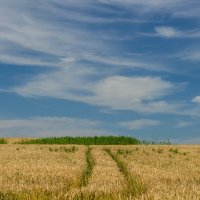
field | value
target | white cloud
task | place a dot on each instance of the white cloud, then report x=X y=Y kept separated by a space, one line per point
x=51 y=126
x=168 y=32
x=122 y=63
x=139 y=124
x=33 y=32
x=67 y=83
x=196 y=99
x=140 y=94
x=13 y=59
x=37 y=27
x=150 y=3
x=177 y=8
x=184 y=124
x=118 y=92
x=192 y=55
x=48 y=27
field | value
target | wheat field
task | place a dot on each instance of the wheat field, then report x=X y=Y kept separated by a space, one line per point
x=140 y=172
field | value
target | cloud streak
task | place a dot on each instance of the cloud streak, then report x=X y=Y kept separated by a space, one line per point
x=139 y=124
x=170 y=32
x=175 y=8
x=184 y=124
x=50 y=126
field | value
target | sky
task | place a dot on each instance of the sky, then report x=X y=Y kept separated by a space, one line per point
x=100 y=67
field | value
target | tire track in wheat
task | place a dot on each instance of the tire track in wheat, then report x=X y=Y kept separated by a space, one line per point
x=134 y=186
x=105 y=181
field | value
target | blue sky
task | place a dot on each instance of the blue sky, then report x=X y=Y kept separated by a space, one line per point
x=100 y=67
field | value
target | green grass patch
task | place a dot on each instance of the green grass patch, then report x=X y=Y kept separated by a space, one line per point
x=124 y=152
x=89 y=168
x=175 y=151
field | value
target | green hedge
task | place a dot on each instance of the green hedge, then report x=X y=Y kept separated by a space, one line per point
x=101 y=140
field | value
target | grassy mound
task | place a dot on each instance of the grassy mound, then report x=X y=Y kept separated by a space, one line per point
x=101 y=140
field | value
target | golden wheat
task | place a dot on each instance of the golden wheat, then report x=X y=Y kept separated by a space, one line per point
x=52 y=172
x=106 y=177
x=35 y=169
x=170 y=172
x=17 y=140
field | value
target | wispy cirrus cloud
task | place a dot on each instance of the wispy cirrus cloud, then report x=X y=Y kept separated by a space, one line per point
x=139 y=124
x=124 y=63
x=190 y=55
x=34 y=27
x=175 y=8
x=31 y=33
x=51 y=38
x=74 y=49
x=184 y=124
x=173 y=32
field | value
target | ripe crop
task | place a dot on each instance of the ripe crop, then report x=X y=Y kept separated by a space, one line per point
x=99 y=172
